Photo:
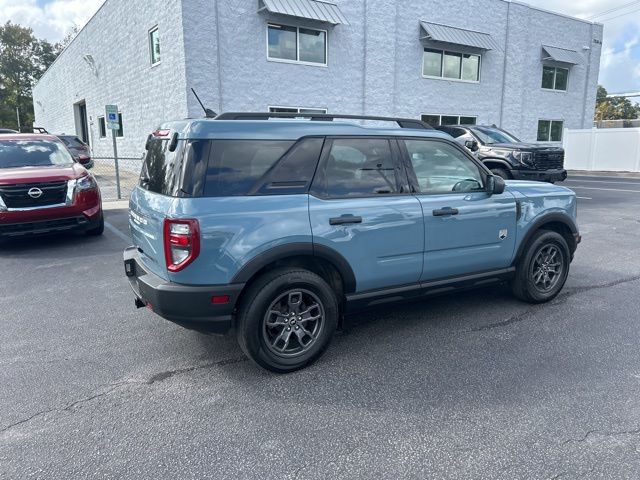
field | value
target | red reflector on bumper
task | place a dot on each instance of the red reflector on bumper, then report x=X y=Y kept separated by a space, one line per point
x=220 y=299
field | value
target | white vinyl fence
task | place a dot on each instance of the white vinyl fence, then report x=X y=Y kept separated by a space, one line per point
x=603 y=149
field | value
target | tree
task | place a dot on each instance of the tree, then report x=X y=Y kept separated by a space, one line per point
x=23 y=59
x=614 y=108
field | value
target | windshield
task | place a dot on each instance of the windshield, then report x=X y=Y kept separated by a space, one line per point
x=489 y=136
x=33 y=153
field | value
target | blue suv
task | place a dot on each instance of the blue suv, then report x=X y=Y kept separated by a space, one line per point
x=273 y=228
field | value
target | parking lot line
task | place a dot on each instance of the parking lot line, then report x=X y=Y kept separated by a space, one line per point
x=584 y=198
x=605 y=189
x=604 y=181
x=117 y=232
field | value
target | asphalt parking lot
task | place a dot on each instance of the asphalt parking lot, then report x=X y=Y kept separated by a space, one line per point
x=477 y=385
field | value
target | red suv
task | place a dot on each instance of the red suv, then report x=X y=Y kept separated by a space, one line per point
x=42 y=188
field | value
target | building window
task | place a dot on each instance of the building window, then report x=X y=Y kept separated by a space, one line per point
x=438 y=120
x=555 y=78
x=102 y=127
x=154 y=45
x=120 y=131
x=550 y=130
x=296 y=45
x=450 y=65
x=296 y=110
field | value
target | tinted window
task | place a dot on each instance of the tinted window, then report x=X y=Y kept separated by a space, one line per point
x=282 y=42
x=72 y=142
x=432 y=63
x=33 y=153
x=236 y=165
x=488 y=135
x=548 y=76
x=442 y=168
x=293 y=173
x=359 y=167
x=161 y=169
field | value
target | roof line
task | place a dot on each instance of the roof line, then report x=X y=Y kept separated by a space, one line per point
x=71 y=42
x=539 y=9
x=560 y=48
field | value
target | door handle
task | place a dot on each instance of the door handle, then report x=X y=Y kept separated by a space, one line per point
x=441 y=212
x=345 y=220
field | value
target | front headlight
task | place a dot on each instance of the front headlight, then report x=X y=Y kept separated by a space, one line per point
x=86 y=183
x=525 y=158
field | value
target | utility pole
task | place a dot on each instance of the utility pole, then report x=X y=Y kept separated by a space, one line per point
x=18 y=115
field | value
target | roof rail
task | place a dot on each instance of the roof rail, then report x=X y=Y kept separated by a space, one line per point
x=402 y=122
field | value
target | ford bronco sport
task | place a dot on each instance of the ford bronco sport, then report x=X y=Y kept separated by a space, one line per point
x=508 y=157
x=274 y=228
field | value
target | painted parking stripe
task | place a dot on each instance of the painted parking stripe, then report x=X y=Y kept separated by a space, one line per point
x=605 y=189
x=604 y=181
x=584 y=198
x=117 y=232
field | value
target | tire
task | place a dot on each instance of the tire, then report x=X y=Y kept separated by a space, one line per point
x=547 y=257
x=263 y=336
x=97 y=230
x=501 y=172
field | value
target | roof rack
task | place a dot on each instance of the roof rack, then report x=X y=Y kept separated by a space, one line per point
x=402 y=122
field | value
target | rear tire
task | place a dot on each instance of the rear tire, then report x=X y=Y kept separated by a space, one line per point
x=501 y=172
x=97 y=230
x=287 y=319
x=543 y=268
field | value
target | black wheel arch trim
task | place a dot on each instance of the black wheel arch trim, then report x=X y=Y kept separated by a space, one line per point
x=282 y=252
x=540 y=222
x=500 y=161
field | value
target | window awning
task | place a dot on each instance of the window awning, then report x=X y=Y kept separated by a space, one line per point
x=562 y=55
x=319 y=10
x=458 y=36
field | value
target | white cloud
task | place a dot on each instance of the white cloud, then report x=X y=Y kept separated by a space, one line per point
x=52 y=20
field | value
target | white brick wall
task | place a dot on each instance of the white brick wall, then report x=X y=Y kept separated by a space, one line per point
x=117 y=39
x=374 y=65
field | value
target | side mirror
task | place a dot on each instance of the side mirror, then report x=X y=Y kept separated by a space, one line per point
x=495 y=185
x=472 y=145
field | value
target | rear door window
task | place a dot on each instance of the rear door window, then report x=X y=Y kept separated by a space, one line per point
x=162 y=169
x=235 y=166
x=358 y=167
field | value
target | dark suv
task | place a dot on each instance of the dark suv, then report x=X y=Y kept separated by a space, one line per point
x=274 y=229
x=508 y=157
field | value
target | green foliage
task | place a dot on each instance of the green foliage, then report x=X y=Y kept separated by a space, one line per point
x=615 y=108
x=23 y=59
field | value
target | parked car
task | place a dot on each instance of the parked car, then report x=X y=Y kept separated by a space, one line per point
x=80 y=150
x=274 y=229
x=508 y=157
x=43 y=190
x=8 y=130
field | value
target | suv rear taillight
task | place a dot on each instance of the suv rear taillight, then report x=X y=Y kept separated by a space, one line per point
x=181 y=243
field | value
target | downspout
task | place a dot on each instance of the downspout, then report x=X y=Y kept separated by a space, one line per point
x=504 y=63
x=586 y=81
x=364 y=63
x=218 y=58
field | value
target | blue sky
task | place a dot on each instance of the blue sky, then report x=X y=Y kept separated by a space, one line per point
x=620 y=66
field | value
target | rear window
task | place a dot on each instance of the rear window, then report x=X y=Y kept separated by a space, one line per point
x=162 y=170
x=33 y=153
x=235 y=166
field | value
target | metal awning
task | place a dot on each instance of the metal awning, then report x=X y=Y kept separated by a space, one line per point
x=459 y=36
x=562 y=55
x=319 y=10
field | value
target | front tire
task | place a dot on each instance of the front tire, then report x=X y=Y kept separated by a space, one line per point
x=287 y=319
x=543 y=269
x=98 y=229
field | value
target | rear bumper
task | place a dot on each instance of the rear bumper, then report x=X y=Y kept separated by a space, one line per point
x=540 y=175
x=189 y=306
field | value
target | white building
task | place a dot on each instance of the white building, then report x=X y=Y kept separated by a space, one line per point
x=530 y=71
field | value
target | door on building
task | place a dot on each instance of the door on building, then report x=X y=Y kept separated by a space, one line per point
x=82 y=125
